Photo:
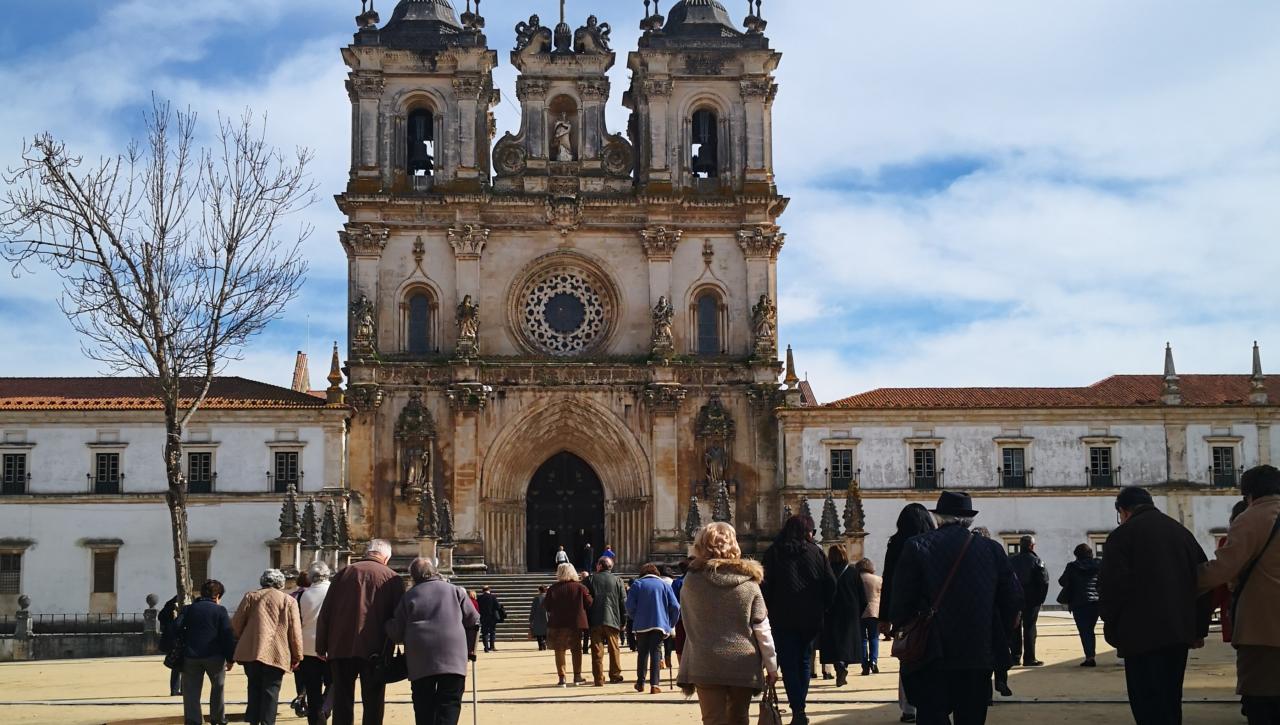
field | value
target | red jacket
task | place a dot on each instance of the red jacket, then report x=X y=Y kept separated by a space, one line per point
x=567 y=605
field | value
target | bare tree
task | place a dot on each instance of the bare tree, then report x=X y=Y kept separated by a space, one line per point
x=172 y=256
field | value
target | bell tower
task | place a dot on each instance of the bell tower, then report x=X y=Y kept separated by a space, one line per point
x=702 y=96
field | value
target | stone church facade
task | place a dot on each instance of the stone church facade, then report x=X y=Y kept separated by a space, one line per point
x=567 y=333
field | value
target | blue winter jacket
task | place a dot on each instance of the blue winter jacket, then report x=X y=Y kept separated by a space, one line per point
x=652 y=605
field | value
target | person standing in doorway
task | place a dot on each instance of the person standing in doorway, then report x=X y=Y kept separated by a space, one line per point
x=1079 y=582
x=1148 y=601
x=798 y=586
x=1251 y=558
x=1034 y=579
x=350 y=631
x=608 y=603
x=567 y=603
x=562 y=556
x=654 y=612
x=588 y=557
x=492 y=613
x=538 y=618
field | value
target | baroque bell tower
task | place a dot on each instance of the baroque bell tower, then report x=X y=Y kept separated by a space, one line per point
x=571 y=339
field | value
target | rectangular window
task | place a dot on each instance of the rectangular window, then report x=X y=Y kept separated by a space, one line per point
x=11 y=573
x=1101 y=474
x=106 y=473
x=1224 y=466
x=200 y=472
x=1013 y=467
x=104 y=571
x=925 y=473
x=1013 y=547
x=286 y=470
x=199 y=558
x=841 y=468
x=14 y=481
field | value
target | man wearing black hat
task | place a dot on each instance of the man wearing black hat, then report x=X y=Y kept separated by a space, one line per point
x=955 y=676
x=1150 y=605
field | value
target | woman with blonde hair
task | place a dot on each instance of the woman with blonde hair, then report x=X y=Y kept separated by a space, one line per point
x=728 y=653
x=567 y=604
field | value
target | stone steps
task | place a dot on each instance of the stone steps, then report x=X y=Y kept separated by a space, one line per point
x=515 y=591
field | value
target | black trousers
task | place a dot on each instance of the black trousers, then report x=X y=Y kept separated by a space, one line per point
x=939 y=693
x=373 y=691
x=264 y=693
x=1262 y=710
x=1154 y=680
x=649 y=645
x=1023 y=643
x=437 y=700
x=314 y=673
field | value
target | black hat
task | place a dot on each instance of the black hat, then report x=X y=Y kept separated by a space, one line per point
x=955 y=503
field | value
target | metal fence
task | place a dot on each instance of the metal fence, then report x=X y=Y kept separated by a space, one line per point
x=87 y=623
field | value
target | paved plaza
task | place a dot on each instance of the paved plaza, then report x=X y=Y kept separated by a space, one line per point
x=514 y=689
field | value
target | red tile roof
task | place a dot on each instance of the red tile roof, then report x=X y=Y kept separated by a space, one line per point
x=1117 y=391
x=226 y=393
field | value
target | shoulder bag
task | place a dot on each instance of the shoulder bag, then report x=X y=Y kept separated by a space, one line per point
x=770 y=711
x=911 y=641
x=390 y=665
x=1248 y=571
x=176 y=657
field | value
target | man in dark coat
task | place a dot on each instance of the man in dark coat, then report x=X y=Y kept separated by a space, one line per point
x=167 y=617
x=1149 y=604
x=608 y=607
x=1034 y=578
x=798 y=587
x=956 y=675
x=491 y=613
x=351 y=630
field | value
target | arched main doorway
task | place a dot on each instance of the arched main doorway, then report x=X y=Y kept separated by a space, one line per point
x=564 y=507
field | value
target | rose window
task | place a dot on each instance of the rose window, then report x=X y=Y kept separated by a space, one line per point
x=563 y=312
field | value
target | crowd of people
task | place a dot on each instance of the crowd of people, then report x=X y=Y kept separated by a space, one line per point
x=959 y=610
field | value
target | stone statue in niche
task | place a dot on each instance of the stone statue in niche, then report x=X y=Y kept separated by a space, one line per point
x=563 y=143
x=468 y=327
x=717 y=461
x=415 y=439
x=764 y=322
x=663 y=313
x=364 y=331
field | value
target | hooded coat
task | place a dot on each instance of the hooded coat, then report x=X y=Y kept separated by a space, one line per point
x=798 y=586
x=722 y=603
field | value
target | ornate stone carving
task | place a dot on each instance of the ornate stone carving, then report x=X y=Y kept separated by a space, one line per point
x=468 y=396
x=564 y=214
x=708 y=252
x=693 y=521
x=563 y=312
x=765 y=397
x=755 y=89
x=468 y=241
x=531 y=37
x=366 y=86
x=714 y=431
x=419 y=251
x=761 y=242
x=704 y=64
x=593 y=38
x=509 y=157
x=660 y=242
x=309 y=527
x=344 y=528
x=364 y=240
x=564 y=186
x=364 y=329
x=855 y=518
x=722 y=510
x=664 y=397
x=446 y=522
x=531 y=89
x=468 y=87
x=805 y=510
x=764 y=327
x=657 y=87
x=618 y=156
x=365 y=397
x=415 y=438
x=289 y=528
x=593 y=89
x=562 y=139
x=662 y=345
x=830 y=526
x=329 y=527
x=428 y=513
x=468 y=328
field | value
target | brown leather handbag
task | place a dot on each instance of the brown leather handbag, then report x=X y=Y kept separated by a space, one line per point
x=911 y=641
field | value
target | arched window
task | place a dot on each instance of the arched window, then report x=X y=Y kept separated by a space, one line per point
x=707 y=323
x=422 y=143
x=419 y=327
x=704 y=151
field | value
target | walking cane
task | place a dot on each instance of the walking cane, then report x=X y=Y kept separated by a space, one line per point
x=475 y=696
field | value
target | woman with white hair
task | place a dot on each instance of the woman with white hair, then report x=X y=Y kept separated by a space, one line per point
x=728 y=652
x=314 y=671
x=437 y=626
x=268 y=628
x=567 y=603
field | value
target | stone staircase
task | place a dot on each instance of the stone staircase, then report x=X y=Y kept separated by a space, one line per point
x=515 y=591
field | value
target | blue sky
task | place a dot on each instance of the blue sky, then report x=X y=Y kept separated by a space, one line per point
x=986 y=193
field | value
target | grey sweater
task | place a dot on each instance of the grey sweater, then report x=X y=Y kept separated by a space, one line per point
x=434 y=621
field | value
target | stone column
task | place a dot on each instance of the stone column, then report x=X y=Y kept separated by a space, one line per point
x=664 y=406
x=593 y=93
x=466 y=400
x=427 y=547
x=467 y=89
x=288 y=551
x=658 y=91
x=755 y=93
x=760 y=246
x=1264 y=443
x=446 y=559
x=366 y=95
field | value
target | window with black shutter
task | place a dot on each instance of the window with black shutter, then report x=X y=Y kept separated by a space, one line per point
x=11 y=573
x=286 y=470
x=841 y=468
x=14 y=481
x=1013 y=468
x=925 y=473
x=200 y=472
x=106 y=477
x=104 y=571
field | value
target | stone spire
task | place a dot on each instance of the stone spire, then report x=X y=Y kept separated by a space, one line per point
x=855 y=518
x=301 y=374
x=446 y=522
x=1172 y=394
x=344 y=530
x=289 y=514
x=721 y=510
x=333 y=395
x=791 y=380
x=1258 y=381
x=308 y=529
x=830 y=519
x=329 y=527
x=693 y=521
x=428 y=512
x=805 y=510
